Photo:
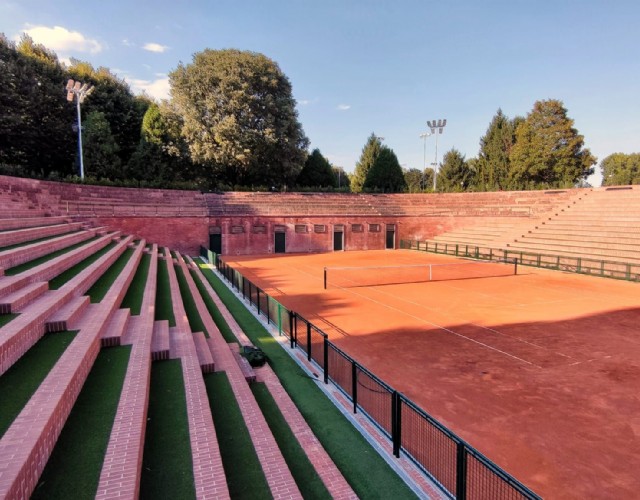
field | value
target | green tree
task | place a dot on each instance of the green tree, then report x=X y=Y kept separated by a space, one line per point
x=548 y=151
x=414 y=179
x=35 y=119
x=239 y=118
x=100 y=148
x=317 y=172
x=455 y=174
x=369 y=154
x=620 y=169
x=493 y=160
x=385 y=174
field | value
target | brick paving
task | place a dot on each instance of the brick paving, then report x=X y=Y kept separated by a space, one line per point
x=277 y=474
x=121 y=470
x=28 y=443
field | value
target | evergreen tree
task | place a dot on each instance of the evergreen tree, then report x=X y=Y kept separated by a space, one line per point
x=385 y=174
x=493 y=159
x=101 y=158
x=317 y=172
x=548 y=151
x=414 y=180
x=620 y=169
x=369 y=154
x=455 y=174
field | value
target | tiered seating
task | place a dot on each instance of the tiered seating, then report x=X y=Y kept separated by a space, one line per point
x=604 y=224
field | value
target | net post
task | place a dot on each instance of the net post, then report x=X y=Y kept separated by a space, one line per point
x=325 y=278
x=515 y=266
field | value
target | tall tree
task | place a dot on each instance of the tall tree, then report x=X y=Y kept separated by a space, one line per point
x=35 y=120
x=385 y=174
x=620 y=169
x=369 y=154
x=493 y=160
x=455 y=175
x=414 y=179
x=317 y=172
x=239 y=118
x=548 y=151
x=101 y=158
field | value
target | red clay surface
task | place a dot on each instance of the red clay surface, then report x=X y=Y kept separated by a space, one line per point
x=539 y=371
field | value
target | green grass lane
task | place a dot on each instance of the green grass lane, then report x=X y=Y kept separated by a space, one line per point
x=213 y=310
x=100 y=288
x=19 y=382
x=242 y=468
x=135 y=293
x=306 y=477
x=167 y=468
x=195 y=321
x=365 y=470
x=12 y=271
x=5 y=318
x=164 y=305
x=70 y=273
x=73 y=470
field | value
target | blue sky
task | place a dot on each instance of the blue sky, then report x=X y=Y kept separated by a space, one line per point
x=358 y=67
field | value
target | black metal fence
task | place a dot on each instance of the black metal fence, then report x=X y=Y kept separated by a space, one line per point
x=580 y=265
x=461 y=471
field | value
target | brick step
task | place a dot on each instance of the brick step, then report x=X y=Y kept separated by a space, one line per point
x=204 y=353
x=16 y=236
x=590 y=241
x=114 y=333
x=67 y=316
x=15 y=301
x=160 y=340
x=595 y=219
x=578 y=244
x=577 y=252
x=602 y=231
x=13 y=223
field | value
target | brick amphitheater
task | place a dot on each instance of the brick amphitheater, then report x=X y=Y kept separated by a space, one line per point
x=38 y=218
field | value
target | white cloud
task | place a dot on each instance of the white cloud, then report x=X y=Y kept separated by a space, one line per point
x=155 y=47
x=62 y=40
x=344 y=107
x=127 y=43
x=158 y=88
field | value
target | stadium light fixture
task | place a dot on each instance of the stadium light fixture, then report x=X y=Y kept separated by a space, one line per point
x=436 y=127
x=80 y=91
x=424 y=156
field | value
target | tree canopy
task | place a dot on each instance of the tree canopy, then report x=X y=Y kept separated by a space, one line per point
x=493 y=159
x=455 y=174
x=620 y=169
x=370 y=152
x=385 y=174
x=239 y=118
x=548 y=151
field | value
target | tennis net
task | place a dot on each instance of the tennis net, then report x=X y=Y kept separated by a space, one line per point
x=347 y=277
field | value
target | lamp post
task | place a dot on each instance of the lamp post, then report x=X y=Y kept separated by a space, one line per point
x=80 y=91
x=424 y=156
x=436 y=128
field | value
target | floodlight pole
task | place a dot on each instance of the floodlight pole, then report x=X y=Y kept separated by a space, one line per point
x=436 y=127
x=80 y=91
x=424 y=156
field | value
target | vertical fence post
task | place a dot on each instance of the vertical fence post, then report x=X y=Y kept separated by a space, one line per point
x=354 y=385
x=308 y=341
x=268 y=312
x=292 y=336
x=326 y=359
x=396 y=423
x=461 y=472
x=279 y=319
x=325 y=278
x=258 y=300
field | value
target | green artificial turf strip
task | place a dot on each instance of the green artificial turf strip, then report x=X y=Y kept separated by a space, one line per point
x=5 y=318
x=167 y=468
x=305 y=475
x=164 y=305
x=135 y=293
x=73 y=470
x=195 y=321
x=365 y=470
x=70 y=273
x=218 y=319
x=242 y=468
x=19 y=382
x=12 y=271
x=37 y=240
x=100 y=288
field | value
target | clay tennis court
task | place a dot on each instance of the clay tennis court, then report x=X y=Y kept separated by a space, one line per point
x=539 y=371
